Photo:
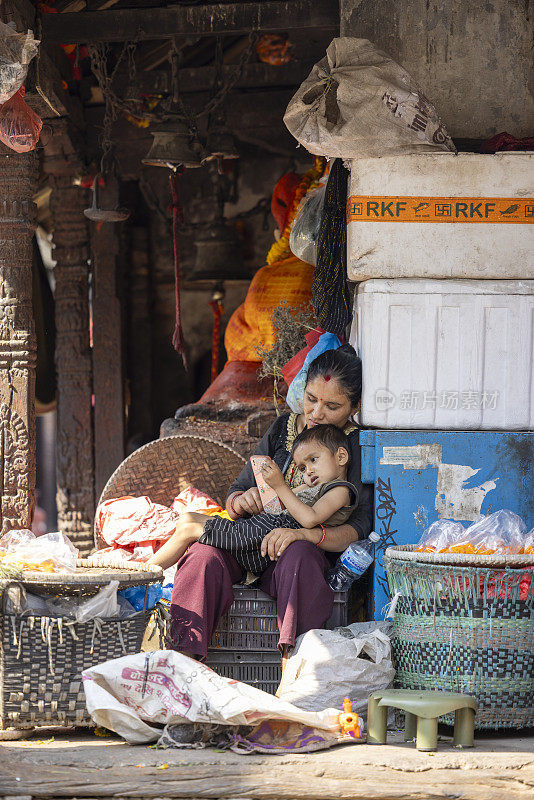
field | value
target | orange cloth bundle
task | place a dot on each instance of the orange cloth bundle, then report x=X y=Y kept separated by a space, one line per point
x=250 y=325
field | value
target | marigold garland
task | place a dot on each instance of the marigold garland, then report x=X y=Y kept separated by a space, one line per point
x=310 y=179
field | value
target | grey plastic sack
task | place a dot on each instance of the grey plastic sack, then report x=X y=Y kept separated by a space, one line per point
x=327 y=666
x=306 y=225
x=357 y=102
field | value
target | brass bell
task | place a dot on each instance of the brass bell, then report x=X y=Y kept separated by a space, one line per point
x=172 y=146
x=220 y=144
x=219 y=255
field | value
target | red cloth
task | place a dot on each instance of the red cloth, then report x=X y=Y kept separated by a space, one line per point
x=239 y=382
x=496 y=586
x=505 y=141
x=283 y=196
x=203 y=593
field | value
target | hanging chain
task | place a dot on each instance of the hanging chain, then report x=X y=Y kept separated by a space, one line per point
x=220 y=96
x=99 y=54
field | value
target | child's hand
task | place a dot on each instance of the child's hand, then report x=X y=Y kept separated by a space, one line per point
x=272 y=474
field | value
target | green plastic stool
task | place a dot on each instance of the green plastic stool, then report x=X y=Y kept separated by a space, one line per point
x=422 y=710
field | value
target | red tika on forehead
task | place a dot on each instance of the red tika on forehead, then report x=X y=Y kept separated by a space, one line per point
x=327 y=377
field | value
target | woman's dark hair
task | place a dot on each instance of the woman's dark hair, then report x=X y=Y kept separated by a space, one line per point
x=344 y=366
x=329 y=436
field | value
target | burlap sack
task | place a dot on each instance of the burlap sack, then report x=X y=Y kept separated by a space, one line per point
x=358 y=102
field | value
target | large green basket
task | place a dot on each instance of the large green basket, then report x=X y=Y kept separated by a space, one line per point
x=466 y=624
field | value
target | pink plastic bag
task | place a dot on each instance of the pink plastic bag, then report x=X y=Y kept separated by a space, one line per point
x=20 y=126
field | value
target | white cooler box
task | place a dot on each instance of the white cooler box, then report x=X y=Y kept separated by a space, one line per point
x=447 y=355
x=440 y=215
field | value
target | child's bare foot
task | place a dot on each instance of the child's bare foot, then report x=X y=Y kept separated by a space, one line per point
x=189 y=529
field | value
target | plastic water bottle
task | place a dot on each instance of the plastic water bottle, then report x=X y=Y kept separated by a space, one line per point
x=352 y=563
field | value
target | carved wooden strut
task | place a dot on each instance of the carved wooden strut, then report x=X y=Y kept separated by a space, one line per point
x=18 y=184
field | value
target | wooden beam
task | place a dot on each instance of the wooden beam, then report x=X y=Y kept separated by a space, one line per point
x=119 y=25
x=200 y=79
x=45 y=93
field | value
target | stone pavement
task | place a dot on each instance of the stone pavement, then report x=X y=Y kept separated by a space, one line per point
x=56 y=763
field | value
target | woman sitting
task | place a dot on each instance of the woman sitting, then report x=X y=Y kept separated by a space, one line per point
x=205 y=575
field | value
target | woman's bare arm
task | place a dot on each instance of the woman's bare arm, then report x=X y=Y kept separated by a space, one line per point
x=335 y=541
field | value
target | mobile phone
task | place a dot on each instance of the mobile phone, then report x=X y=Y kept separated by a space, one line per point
x=269 y=499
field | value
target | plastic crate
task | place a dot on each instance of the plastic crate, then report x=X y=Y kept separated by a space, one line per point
x=261 y=669
x=251 y=623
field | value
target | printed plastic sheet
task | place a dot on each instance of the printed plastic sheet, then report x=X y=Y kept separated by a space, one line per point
x=134 y=694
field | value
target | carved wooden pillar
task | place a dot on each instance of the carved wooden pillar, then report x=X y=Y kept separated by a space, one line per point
x=107 y=347
x=75 y=471
x=18 y=184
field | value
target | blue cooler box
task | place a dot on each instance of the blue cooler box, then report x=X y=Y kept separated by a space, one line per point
x=422 y=476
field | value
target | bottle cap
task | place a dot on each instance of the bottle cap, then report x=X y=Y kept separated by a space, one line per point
x=374 y=537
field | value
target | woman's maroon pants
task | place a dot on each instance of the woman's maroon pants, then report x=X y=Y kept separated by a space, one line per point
x=203 y=593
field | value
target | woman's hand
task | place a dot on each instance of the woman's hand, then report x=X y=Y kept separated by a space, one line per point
x=248 y=502
x=279 y=539
x=272 y=474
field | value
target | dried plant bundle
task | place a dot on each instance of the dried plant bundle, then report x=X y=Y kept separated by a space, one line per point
x=290 y=326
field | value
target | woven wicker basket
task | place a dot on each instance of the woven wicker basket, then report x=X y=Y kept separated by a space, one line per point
x=163 y=468
x=91 y=575
x=466 y=624
x=42 y=656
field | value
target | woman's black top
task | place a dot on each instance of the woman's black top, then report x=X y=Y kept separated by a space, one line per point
x=277 y=444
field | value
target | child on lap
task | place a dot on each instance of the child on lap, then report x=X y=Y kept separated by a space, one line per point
x=325 y=498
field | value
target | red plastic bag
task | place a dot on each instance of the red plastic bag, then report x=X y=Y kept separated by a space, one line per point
x=294 y=365
x=19 y=124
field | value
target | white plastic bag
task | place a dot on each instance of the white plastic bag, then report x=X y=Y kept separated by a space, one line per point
x=502 y=532
x=439 y=536
x=103 y=605
x=327 y=666
x=15 y=538
x=306 y=225
x=357 y=102
x=52 y=552
x=133 y=694
x=16 y=52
